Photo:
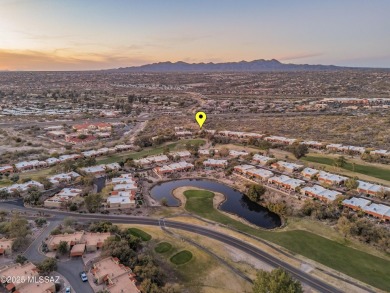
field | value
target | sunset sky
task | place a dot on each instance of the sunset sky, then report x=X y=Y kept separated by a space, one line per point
x=97 y=34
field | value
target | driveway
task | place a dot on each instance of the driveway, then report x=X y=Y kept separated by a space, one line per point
x=71 y=270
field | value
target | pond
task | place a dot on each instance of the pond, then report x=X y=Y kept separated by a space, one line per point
x=236 y=202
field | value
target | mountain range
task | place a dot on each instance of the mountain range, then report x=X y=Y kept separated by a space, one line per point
x=242 y=66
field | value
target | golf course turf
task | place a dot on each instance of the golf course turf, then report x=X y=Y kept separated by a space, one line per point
x=140 y=234
x=365 y=267
x=163 y=247
x=181 y=257
x=372 y=171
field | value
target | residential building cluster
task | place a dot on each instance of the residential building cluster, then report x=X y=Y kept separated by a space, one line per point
x=78 y=242
x=63 y=198
x=115 y=277
x=123 y=192
x=35 y=164
x=100 y=169
x=173 y=168
x=213 y=163
x=22 y=277
x=152 y=160
x=379 y=211
x=63 y=178
x=23 y=187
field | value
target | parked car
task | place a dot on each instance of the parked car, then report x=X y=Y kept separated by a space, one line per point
x=83 y=277
x=67 y=290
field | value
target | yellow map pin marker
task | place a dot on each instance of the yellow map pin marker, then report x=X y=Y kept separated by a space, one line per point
x=200 y=117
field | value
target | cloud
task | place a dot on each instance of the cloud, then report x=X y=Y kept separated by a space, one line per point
x=63 y=59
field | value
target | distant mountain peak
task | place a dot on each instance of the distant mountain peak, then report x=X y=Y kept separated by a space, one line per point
x=259 y=65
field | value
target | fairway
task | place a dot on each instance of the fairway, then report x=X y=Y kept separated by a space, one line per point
x=181 y=257
x=365 y=267
x=140 y=234
x=372 y=171
x=163 y=247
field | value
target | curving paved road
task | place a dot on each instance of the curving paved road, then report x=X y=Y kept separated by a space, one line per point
x=255 y=252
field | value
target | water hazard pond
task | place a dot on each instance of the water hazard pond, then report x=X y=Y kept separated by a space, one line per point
x=236 y=202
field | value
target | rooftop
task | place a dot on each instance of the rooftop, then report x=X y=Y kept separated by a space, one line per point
x=357 y=201
x=17 y=270
x=124 y=283
x=109 y=267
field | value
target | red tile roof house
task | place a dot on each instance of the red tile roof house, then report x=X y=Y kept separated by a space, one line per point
x=115 y=276
x=90 y=241
x=6 y=169
x=18 y=274
x=75 y=139
x=91 y=127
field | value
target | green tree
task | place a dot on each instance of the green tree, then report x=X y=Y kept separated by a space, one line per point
x=18 y=227
x=69 y=221
x=47 y=266
x=351 y=183
x=18 y=244
x=14 y=178
x=344 y=226
x=87 y=180
x=93 y=202
x=299 y=150
x=33 y=196
x=73 y=207
x=255 y=191
x=103 y=227
x=164 y=202
x=46 y=183
x=276 y=281
x=340 y=161
x=20 y=259
x=40 y=222
x=4 y=194
x=121 y=250
x=63 y=247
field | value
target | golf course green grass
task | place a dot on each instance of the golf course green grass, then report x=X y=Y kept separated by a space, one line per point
x=163 y=247
x=140 y=234
x=372 y=171
x=181 y=257
x=365 y=267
